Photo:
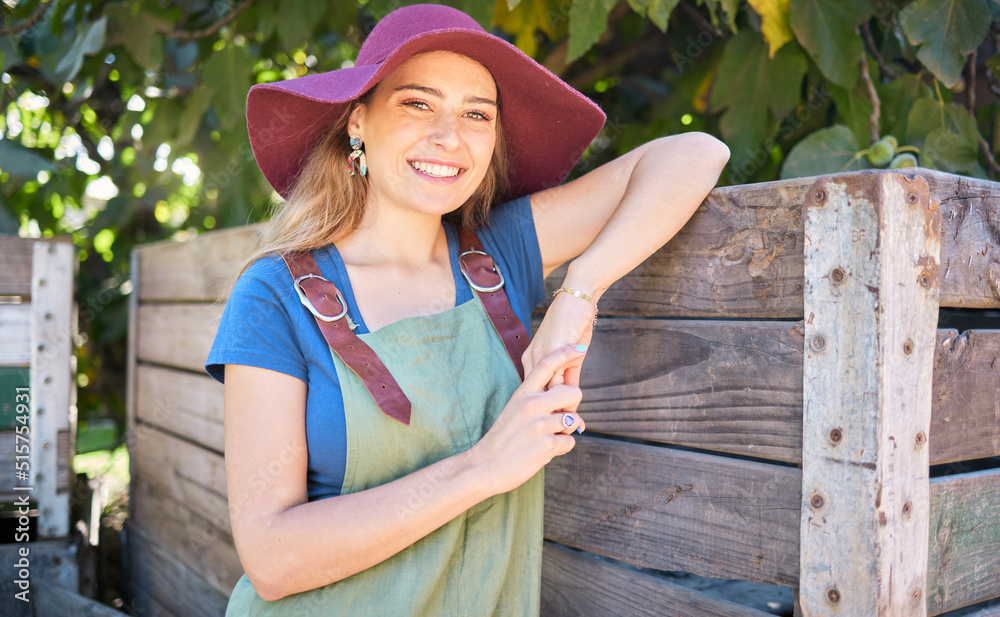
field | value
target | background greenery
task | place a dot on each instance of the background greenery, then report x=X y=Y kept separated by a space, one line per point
x=123 y=120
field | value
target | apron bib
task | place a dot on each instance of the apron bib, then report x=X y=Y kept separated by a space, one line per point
x=487 y=561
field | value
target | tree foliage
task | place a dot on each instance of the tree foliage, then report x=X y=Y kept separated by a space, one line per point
x=124 y=120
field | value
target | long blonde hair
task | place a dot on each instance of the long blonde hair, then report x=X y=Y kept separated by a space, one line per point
x=327 y=204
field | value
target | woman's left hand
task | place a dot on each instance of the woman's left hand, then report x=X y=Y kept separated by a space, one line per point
x=568 y=321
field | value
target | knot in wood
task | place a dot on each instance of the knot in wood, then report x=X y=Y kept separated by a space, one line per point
x=924 y=280
x=908 y=347
x=915 y=596
x=819 y=196
x=818 y=343
x=816 y=501
x=837 y=275
x=912 y=198
x=836 y=434
x=920 y=439
x=907 y=509
x=833 y=595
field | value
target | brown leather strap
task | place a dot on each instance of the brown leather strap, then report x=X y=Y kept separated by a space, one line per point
x=324 y=299
x=488 y=283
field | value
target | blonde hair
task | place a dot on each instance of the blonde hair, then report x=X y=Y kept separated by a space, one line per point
x=327 y=204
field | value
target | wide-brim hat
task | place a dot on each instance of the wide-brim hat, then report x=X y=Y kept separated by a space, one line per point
x=546 y=123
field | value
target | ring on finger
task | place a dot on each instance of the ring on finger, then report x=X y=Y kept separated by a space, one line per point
x=568 y=420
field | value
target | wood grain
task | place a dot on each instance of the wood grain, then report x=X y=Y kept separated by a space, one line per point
x=195 y=270
x=176 y=335
x=182 y=403
x=15 y=334
x=582 y=585
x=160 y=582
x=660 y=508
x=964 y=563
x=51 y=599
x=61 y=458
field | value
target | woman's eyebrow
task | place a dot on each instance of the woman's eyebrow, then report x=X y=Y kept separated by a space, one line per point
x=437 y=93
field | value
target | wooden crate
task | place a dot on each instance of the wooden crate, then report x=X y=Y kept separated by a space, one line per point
x=764 y=398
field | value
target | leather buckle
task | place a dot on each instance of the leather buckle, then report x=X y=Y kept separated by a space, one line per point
x=309 y=305
x=465 y=273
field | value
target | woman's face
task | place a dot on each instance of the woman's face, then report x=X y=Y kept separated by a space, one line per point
x=429 y=132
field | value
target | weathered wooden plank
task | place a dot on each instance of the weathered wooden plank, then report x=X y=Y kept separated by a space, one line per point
x=158 y=580
x=15 y=266
x=964 y=563
x=195 y=270
x=178 y=335
x=740 y=255
x=15 y=334
x=181 y=529
x=53 y=379
x=8 y=479
x=54 y=600
x=579 y=584
x=54 y=561
x=671 y=510
x=132 y=362
x=183 y=403
x=871 y=289
x=965 y=420
x=725 y=386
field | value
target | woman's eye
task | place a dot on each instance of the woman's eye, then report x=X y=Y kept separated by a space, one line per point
x=479 y=115
x=416 y=104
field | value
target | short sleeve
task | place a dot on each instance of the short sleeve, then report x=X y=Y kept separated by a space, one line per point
x=257 y=328
x=512 y=232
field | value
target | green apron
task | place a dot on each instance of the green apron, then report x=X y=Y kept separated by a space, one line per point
x=454 y=369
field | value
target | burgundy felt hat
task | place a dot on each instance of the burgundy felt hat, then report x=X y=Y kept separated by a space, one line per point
x=547 y=124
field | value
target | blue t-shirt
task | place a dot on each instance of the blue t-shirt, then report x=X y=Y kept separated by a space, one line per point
x=265 y=325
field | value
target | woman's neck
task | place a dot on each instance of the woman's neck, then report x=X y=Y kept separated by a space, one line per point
x=401 y=238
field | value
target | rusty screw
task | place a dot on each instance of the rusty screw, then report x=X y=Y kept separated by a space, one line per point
x=907 y=509
x=816 y=501
x=818 y=343
x=908 y=347
x=915 y=596
x=819 y=196
x=924 y=280
x=837 y=275
x=911 y=198
x=833 y=595
x=921 y=439
x=836 y=435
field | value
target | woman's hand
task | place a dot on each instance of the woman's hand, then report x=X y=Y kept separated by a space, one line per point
x=534 y=427
x=568 y=320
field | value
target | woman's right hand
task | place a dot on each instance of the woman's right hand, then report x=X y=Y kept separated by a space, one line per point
x=532 y=429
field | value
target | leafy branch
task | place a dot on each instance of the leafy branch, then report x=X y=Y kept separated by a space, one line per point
x=209 y=31
x=31 y=21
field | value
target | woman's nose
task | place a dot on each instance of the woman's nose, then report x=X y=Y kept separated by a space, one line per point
x=444 y=132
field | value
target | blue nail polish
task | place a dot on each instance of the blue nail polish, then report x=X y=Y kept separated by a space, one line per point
x=581 y=347
x=579 y=430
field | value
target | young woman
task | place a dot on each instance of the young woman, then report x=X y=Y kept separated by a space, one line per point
x=386 y=417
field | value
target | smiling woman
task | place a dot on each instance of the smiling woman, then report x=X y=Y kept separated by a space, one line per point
x=387 y=415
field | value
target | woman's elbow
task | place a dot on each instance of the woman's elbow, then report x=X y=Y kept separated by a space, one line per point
x=709 y=149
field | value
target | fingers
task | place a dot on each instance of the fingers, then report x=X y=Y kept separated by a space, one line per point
x=542 y=373
x=569 y=423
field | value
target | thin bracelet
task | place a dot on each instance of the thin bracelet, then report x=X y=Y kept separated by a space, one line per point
x=579 y=294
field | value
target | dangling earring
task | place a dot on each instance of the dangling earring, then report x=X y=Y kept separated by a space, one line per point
x=359 y=154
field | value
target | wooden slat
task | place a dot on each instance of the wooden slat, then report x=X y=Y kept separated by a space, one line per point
x=964 y=564
x=195 y=270
x=181 y=529
x=50 y=599
x=183 y=403
x=871 y=257
x=740 y=255
x=965 y=421
x=15 y=266
x=15 y=334
x=160 y=582
x=582 y=585
x=178 y=335
x=726 y=386
x=671 y=510
x=54 y=561
x=61 y=460
x=737 y=387
x=53 y=379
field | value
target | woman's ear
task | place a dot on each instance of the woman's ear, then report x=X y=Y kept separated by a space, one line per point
x=356 y=121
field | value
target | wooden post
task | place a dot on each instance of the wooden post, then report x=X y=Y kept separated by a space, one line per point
x=52 y=415
x=872 y=245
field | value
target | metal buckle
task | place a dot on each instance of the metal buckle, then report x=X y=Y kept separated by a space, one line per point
x=465 y=273
x=309 y=305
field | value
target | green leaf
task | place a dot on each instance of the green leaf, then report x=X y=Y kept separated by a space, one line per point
x=827 y=31
x=588 y=19
x=139 y=32
x=89 y=40
x=748 y=84
x=854 y=109
x=296 y=19
x=774 y=23
x=945 y=30
x=340 y=15
x=481 y=11
x=929 y=114
x=897 y=98
x=229 y=71
x=993 y=64
x=951 y=152
x=17 y=160
x=659 y=12
x=194 y=110
x=512 y=4
x=826 y=151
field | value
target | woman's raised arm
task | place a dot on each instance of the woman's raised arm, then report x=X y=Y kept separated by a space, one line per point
x=613 y=218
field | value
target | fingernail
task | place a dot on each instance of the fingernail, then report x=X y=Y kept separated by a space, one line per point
x=579 y=430
x=581 y=348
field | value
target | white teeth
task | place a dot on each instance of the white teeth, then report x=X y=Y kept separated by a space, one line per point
x=437 y=171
